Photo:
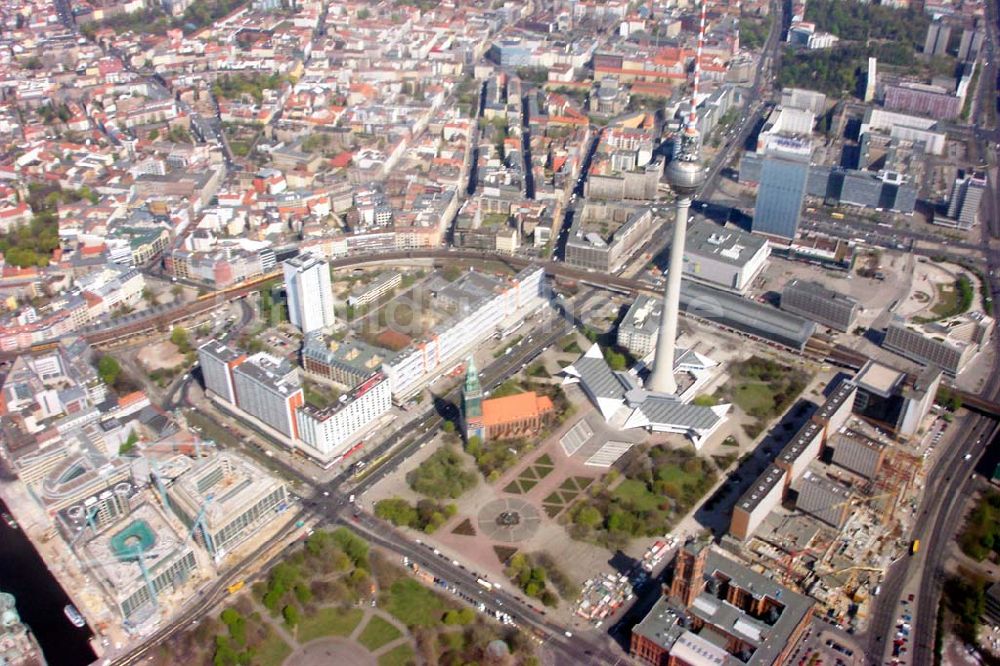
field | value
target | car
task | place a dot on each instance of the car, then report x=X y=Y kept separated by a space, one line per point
x=967 y=456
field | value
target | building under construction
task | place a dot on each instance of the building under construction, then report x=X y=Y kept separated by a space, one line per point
x=226 y=499
x=838 y=513
x=138 y=560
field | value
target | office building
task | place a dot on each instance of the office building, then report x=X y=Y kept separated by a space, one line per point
x=965 y=200
x=928 y=100
x=801 y=450
x=348 y=363
x=310 y=295
x=888 y=130
x=824 y=306
x=949 y=344
x=371 y=292
x=971 y=43
x=482 y=313
x=779 y=196
x=226 y=499
x=857 y=452
x=824 y=498
x=722 y=257
x=887 y=399
x=328 y=434
x=886 y=190
x=217 y=361
x=806 y=100
x=603 y=234
x=718 y=611
x=637 y=330
x=837 y=408
x=759 y=500
x=268 y=388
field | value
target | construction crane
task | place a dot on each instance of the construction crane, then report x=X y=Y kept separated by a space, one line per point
x=199 y=521
x=856 y=500
x=160 y=486
x=852 y=579
x=792 y=555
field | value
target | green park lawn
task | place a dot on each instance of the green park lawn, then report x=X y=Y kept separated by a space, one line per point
x=377 y=633
x=329 y=622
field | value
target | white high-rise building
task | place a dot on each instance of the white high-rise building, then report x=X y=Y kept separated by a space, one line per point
x=310 y=296
x=871 y=79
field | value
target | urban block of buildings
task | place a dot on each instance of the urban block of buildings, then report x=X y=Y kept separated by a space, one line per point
x=268 y=391
x=718 y=611
x=949 y=344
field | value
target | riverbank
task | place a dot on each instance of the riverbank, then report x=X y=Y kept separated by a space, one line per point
x=41 y=595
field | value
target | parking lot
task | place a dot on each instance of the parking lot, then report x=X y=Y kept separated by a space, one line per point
x=823 y=644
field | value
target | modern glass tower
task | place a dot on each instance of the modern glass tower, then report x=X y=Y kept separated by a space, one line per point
x=779 y=196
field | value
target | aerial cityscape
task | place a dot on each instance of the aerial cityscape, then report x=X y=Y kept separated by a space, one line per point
x=523 y=332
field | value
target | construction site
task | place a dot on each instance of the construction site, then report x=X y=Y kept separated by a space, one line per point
x=163 y=528
x=838 y=504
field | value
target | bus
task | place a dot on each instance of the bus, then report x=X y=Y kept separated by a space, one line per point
x=915 y=546
x=837 y=216
x=236 y=587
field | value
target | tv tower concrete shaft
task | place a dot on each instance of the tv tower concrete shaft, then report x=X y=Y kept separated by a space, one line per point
x=686 y=176
x=662 y=378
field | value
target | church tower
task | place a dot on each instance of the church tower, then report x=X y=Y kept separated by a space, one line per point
x=472 y=403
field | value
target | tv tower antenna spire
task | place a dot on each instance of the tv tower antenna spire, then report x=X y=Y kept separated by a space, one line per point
x=686 y=175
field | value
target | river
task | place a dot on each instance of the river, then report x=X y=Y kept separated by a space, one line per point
x=40 y=600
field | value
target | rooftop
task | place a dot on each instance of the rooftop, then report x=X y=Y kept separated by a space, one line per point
x=879 y=379
x=731 y=246
x=497 y=411
x=764 y=484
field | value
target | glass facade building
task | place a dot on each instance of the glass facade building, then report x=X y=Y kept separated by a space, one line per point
x=779 y=197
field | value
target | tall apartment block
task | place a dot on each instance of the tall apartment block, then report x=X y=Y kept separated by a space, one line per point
x=965 y=199
x=938 y=35
x=871 y=79
x=268 y=389
x=310 y=295
x=217 y=364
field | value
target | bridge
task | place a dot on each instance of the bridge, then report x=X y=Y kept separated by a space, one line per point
x=162 y=320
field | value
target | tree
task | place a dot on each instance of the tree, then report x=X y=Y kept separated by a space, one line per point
x=179 y=336
x=128 y=444
x=291 y=615
x=588 y=516
x=108 y=369
x=149 y=296
x=448 y=427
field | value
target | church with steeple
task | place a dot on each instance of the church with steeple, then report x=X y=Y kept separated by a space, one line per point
x=472 y=403
x=523 y=414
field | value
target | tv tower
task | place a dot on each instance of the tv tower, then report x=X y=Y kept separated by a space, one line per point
x=686 y=175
